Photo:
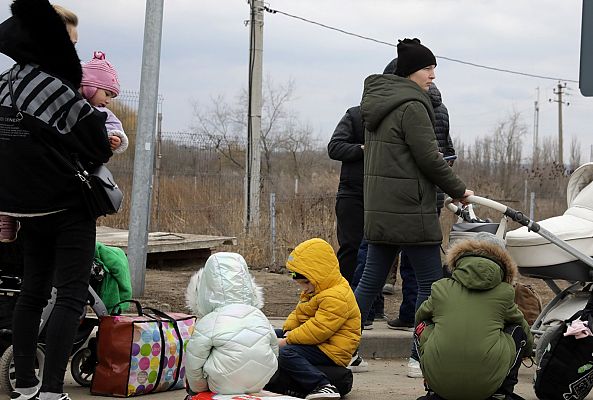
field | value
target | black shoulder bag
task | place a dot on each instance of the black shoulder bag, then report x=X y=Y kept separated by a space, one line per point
x=101 y=194
x=565 y=370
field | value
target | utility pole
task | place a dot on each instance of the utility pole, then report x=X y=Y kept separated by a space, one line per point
x=144 y=152
x=535 y=157
x=253 y=156
x=559 y=92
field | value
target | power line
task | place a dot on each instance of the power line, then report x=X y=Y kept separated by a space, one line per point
x=273 y=11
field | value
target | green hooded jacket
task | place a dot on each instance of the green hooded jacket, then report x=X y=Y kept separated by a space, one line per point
x=117 y=284
x=464 y=353
x=402 y=164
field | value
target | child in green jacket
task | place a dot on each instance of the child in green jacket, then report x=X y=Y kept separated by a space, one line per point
x=473 y=336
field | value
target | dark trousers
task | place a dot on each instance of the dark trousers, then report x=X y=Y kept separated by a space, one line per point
x=407 y=308
x=520 y=339
x=59 y=250
x=378 y=307
x=350 y=225
x=300 y=361
x=425 y=261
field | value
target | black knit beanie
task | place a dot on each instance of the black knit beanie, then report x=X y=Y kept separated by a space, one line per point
x=412 y=56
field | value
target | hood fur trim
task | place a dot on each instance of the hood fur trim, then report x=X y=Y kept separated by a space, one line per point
x=483 y=249
x=41 y=37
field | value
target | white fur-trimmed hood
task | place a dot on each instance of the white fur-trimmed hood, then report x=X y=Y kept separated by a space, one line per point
x=224 y=280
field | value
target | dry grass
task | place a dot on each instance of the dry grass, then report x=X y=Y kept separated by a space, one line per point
x=212 y=203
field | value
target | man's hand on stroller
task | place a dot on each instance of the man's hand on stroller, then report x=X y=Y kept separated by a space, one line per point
x=463 y=200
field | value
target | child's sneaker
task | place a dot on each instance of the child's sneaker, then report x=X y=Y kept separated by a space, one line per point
x=414 y=370
x=9 y=227
x=326 y=391
x=357 y=364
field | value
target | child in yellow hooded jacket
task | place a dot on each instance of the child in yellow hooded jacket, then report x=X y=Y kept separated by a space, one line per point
x=324 y=328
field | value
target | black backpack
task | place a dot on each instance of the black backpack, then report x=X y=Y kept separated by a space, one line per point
x=565 y=369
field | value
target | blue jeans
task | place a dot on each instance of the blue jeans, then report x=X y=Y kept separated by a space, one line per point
x=425 y=261
x=407 y=308
x=299 y=360
x=379 y=303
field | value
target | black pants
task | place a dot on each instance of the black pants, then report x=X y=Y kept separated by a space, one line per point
x=350 y=225
x=59 y=250
x=520 y=339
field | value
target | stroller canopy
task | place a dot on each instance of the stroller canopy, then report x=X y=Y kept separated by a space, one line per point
x=579 y=179
x=574 y=227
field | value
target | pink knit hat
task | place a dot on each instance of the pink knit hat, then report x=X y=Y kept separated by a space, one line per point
x=98 y=73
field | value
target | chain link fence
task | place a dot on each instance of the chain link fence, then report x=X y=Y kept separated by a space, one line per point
x=198 y=187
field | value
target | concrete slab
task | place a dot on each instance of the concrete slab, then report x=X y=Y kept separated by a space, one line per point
x=168 y=249
x=380 y=342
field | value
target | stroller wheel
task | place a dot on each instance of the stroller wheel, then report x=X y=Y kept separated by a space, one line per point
x=7 y=376
x=82 y=366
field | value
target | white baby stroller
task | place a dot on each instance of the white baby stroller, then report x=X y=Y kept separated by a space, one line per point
x=558 y=248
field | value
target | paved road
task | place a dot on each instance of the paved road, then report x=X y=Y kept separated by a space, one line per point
x=386 y=380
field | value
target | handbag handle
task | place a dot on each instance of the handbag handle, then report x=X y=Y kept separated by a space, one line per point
x=116 y=309
x=160 y=313
x=172 y=320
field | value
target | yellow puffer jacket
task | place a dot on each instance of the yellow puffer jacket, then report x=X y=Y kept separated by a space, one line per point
x=330 y=317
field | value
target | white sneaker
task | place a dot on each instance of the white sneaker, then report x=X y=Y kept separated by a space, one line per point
x=358 y=364
x=324 y=392
x=414 y=370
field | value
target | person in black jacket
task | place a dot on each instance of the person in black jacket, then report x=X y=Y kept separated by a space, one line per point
x=40 y=106
x=347 y=145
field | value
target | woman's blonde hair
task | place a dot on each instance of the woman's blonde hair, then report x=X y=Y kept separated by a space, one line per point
x=67 y=16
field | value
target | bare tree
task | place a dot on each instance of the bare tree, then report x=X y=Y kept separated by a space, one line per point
x=507 y=144
x=220 y=124
x=226 y=124
x=575 y=153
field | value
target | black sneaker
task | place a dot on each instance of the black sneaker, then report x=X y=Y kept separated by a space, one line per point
x=400 y=325
x=368 y=325
x=323 y=392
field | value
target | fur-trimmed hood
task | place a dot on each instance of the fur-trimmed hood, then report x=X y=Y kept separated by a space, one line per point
x=473 y=260
x=35 y=34
x=224 y=280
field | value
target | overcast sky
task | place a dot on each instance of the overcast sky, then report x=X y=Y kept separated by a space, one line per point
x=205 y=54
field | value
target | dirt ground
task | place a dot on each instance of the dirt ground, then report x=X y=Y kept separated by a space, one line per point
x=165 y=290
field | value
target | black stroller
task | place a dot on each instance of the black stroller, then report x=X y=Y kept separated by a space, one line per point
x=11 y=272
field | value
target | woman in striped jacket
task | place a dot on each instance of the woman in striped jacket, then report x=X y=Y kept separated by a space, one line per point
x=40 y=107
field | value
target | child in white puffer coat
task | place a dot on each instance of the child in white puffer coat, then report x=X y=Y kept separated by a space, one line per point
x=233 y=348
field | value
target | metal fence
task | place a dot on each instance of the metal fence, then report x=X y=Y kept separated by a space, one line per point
x=198 y=189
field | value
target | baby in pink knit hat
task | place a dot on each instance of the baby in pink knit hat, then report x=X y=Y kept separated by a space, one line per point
x=99 y=85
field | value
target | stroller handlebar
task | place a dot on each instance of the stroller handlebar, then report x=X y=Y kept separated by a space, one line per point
x=517 y=216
